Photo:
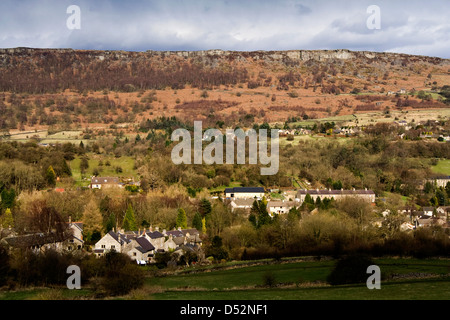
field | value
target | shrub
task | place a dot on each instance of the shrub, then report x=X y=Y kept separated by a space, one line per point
x=121 y=274
x=350 y=269
x=269 y=279
x=4 y=266
x=293 y=94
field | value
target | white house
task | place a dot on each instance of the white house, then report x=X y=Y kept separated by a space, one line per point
x=245 y=204
x=281 y=207
x=104 y=182
x=141 y=246
x=75 y=240
x=111 y=241
x=140 y=250
x=367 y=195
x=244 y=193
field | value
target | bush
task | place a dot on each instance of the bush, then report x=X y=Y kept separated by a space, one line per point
x=4 y=266
x=351 y=269
x=269 y=279
x=120 y=281
x=121 y=274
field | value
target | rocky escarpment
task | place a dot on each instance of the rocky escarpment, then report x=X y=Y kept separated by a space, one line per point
x=303 y=55
x=276 y=56
x=53 y=70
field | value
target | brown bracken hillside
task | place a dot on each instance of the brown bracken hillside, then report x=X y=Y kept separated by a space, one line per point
x=42 y=87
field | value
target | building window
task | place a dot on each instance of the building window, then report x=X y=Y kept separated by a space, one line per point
x=113 y=247
x=103 y=246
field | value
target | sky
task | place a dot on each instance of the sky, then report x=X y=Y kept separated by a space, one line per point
x=419 y=27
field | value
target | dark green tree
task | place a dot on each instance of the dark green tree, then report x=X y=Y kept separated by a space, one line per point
x=129 y=222
x=204 y=207
x=84 y=165
x=8 y=197
x=111 y=222
x=66 y=169
x=50 y=176
x=260 y=213
x=181 y=219
x=197 y=221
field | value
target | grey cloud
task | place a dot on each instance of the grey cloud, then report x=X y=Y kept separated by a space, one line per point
x=418 y=26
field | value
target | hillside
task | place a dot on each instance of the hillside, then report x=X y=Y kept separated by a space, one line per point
x=77 y=88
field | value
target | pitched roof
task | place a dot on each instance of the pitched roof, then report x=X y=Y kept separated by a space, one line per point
x=37 y=239
x=155 y=234
x=123 y=238
x=191 y=232
x=175 y=233
x=334 y=192
x=243 y=202
x=144 y=245
x=178 y=240
x=286 y=204
x=105 y=180
x=441 y=178
x=79 y=225
x=245 y=190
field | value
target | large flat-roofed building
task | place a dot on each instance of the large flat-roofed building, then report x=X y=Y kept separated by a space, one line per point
x=365 y=194
x=440 y=181
x=244 y=193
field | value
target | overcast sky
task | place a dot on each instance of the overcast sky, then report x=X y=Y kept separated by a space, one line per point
x=415 y=27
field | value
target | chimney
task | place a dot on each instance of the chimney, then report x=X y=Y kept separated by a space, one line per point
x=70 y=219
x=156 y=228
x=164 y=232
x=179 y=228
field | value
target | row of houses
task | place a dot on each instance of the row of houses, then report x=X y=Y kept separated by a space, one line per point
x=439 y=181
x=273 y=207
x=67 y=240
x=425 y=217
x=141 y=246
x=243 y=198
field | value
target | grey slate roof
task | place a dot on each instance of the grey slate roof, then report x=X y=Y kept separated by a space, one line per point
x=105 y=180
x=144 y=245
x=123 y=238
x=245 y=190
x=333 y=192
x=155 y=235
x=175 y=233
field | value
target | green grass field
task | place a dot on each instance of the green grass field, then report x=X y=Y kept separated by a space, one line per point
x=368 y=118
x=297 y=139
x=297 y=280
x=124 y=162
x=436 y=289
x=306 y=281
x=443 y=167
